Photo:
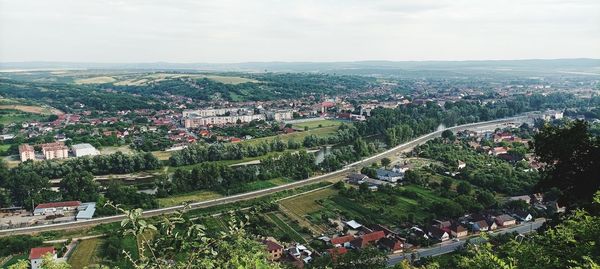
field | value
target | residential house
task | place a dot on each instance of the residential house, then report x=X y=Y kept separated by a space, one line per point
x=480 y=226
x=367 y=239
x=357 y=178
x=499 y=150
x=389 y=176
x=505 y=220
x=439 y=234
x=274 y=250
x=457 y=230
x=342 y=241
x=461 y=164
x=394 y=245
x=523 y=215
x=334 y=253
x=36 y=256
x=525 y=198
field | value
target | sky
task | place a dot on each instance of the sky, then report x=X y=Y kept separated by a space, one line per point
x=229 y=31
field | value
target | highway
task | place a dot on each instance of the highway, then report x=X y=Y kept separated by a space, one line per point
x=491 y=125
x=450 y=246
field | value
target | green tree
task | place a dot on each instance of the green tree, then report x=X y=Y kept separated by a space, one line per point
x=464 y=188
x=385 y=162
x=572 y=157
x=79 y=186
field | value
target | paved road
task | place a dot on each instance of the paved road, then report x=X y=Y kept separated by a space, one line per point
x=255 y=194
x=450 y=246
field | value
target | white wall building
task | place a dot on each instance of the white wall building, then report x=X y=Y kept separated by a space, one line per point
x=84 y=149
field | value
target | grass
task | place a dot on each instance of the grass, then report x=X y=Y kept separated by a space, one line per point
x=196 y=196
x=86 y=253
x=315 y=124
x=307 y=203
x=15 y=259
x=110 y=150
x=297 y=136
x=286 y=228
x=259 y=185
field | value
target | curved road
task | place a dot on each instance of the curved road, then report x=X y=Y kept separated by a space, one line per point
x=255 y=194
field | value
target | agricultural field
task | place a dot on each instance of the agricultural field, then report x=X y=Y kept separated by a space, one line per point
x=299 y=208
x=95 y=80
x=8 y=116
x=143 y=79
x=86 y=253
x=317 y=124
x=14 y=259
x=42 y=110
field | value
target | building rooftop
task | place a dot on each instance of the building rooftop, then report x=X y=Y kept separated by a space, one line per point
x=38 y=253
x=59 y=204
x=83 y=146
x=86 y=211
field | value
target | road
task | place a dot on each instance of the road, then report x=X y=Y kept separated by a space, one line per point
x=450 y=246
x=350 y=168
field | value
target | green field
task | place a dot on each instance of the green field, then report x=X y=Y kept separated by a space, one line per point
x=287 y=229
x=86 y=253
x=297 y=136
x=8 y=116
x=196 y=196
x=317 y=123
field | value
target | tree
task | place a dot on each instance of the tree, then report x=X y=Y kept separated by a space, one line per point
x=385 y=162
x=448 y=135
x=182 y=243
x=79 y=186
x=572 y=157
x=447 y=183
x=464 y=188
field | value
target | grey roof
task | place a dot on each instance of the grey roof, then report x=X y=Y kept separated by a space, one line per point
x=387 y=173
x=86 y=211
x=83 y=146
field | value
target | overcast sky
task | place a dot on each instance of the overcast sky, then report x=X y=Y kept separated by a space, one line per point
x=303 y=30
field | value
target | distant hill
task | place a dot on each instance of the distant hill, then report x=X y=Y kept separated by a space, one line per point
x=534 y=67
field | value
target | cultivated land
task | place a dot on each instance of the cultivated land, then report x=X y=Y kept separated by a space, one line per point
x=95 y=80
x=86 y=253
x=33 y=109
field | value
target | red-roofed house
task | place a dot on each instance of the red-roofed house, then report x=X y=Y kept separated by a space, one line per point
x=367 y=239
x=341 y=240
x=336 y=252
x=392 y=244
x=37 y=254
x=275 y=250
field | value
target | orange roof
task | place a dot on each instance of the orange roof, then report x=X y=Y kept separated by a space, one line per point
x=37 y=253
x=342 y=239
x=59 y=204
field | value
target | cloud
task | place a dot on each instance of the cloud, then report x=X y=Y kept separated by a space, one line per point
x=311 y=30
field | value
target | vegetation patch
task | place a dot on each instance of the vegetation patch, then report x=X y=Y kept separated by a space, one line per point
x=86 y=254
x=196 y=196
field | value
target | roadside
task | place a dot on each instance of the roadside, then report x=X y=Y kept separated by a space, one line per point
x=451 y=246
